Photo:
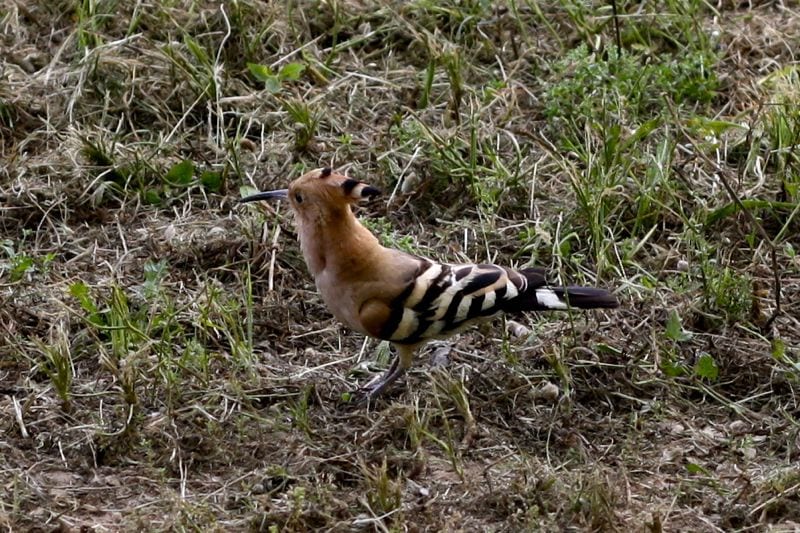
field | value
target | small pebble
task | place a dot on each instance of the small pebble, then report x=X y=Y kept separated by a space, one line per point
x=548 y=391
x=517 y=330
x=441 y=356
x=169 y=233
x=738 y=427
x=410 y=182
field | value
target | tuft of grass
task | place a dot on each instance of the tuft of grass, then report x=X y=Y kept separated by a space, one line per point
x=629 y=89
x=595 y=503
x=304 y=120
x=454 y=66
x=468 y=161
x=92 y=17
x=383 y=494
x=782 y=129
x=58 y=364
x=122 y=359
x=123 y=170
x=18 y=265
x=299 y=412
x=728 y=292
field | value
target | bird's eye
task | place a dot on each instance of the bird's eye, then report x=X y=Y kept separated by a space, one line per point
x=298 y=197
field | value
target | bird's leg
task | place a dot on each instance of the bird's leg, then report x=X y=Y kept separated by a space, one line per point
x=401 y=363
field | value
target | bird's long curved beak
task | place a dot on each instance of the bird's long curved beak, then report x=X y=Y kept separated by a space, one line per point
x=281 y=194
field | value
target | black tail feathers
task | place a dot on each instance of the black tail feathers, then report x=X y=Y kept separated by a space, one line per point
x=539 y=296
x=583 y=297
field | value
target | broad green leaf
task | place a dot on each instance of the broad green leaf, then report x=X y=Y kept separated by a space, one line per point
x=565 y=247
x=211 y=180
x=21 y=264
x=713 y=126
x=181 y=173
x=272 y=81
x=778 y=349
x=272 y=85
x=292 y=71
x=694 y=468
x=706 y=367
x=151 y=196
x=675 y=330
x=260 y=72
x=154 y=273
x=80 y=292
x=672 y=369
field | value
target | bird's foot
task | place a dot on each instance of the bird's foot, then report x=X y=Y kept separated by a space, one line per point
x=378 y=386
x=371 y=392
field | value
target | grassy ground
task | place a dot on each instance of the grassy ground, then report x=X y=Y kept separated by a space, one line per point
x=166 y=364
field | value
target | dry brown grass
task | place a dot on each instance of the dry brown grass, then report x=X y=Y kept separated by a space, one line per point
x=180 y=393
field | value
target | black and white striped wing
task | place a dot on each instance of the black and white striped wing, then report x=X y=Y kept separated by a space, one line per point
x=444 y=299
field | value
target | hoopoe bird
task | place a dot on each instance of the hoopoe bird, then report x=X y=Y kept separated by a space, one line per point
x=399 y=297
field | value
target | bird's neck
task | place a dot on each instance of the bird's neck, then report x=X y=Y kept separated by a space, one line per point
x=335 y=241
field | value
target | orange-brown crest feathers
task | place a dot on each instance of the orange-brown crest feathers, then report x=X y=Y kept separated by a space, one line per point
x=325 y=188
x=319 y=194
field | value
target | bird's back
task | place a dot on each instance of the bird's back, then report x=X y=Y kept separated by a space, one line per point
x=443 y=299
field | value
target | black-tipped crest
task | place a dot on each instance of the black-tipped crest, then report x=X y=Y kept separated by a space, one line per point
x=370 y=192
x=348 y=186
x=358 y=190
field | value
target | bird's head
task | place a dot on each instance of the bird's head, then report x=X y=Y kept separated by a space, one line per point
x=319 y=194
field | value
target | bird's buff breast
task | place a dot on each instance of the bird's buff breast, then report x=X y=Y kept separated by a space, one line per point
x=340 y=302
